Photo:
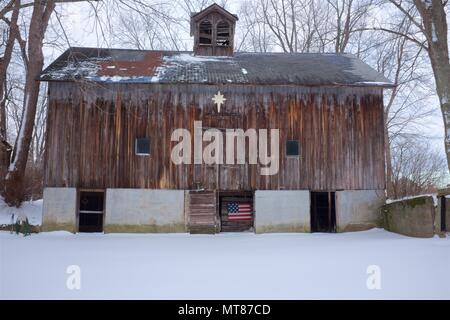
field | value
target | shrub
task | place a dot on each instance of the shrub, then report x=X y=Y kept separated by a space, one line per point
x=23 y=227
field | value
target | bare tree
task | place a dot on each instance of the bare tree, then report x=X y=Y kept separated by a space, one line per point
x=5 y=60
x=349 y=15
x=38 y=24
x=309 y=25
x=31 y=52
x=405 y=108
x=144 y=24
x=431 y=34
x=280 y=18
x=254 y=35
x=417 y=168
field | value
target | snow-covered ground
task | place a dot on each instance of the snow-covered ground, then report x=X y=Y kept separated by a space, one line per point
x=29 y=209
x=229 y=266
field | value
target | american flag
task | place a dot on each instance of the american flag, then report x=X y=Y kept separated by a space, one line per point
x=239 y=211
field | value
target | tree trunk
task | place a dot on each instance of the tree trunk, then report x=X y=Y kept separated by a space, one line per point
x=388 y=156
x=14 y=191
x=434 y=23
x=4 y=63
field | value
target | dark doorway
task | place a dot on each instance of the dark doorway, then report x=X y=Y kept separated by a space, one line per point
x=443 y=213
x=236 y=211
x=323 y=212
x=91 y=211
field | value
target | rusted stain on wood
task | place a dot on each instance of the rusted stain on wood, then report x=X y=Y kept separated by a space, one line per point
x=92 y=131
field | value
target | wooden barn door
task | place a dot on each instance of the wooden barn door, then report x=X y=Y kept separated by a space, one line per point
x=236 y=211
x=203 y=212
x=224 y=177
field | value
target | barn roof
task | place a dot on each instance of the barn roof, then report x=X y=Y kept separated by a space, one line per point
x=142 y=66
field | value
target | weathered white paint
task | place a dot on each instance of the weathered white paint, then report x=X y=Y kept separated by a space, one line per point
x=146 y=209
x=282 y=211
x=358 y=209
x=59 y=209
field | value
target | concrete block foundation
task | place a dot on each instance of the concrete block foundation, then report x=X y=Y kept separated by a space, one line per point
x=59 y=209
x=282 y=211
x=158 y=210
x=144 y=210
x=358 y=210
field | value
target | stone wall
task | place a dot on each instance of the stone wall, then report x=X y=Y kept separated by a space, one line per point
x=412 y=217
x=59 y=210
x=282 y=211
x=144 y=210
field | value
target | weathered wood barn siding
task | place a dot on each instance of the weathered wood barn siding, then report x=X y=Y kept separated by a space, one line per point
x=92 y=131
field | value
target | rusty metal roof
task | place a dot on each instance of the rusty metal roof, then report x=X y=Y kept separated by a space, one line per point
x=142 y=66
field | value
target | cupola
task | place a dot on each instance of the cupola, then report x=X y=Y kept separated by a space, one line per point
x=213 y=31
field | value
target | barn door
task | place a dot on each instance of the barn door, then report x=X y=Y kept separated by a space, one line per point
x=445 y=225
x=203 y=212
x=323 y=212
x=236 y=211
x=91 y=210
x=229 y=177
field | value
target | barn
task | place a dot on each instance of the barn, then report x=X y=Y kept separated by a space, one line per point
x=212 y=140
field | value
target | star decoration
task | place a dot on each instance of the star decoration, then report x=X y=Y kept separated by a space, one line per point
x=219 y=99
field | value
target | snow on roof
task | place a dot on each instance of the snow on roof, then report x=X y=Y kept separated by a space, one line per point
x=190 y=58
x=77 y=69
x=127 y=66
x=374 y=83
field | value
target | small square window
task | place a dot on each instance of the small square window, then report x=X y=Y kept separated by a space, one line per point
x=142 y=146
x=292 y=148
